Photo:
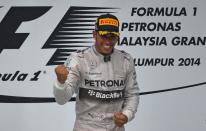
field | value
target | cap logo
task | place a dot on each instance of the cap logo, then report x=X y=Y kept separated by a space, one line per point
x=108 y=21
x=107 y=32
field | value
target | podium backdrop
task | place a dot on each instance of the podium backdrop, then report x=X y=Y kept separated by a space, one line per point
x=166 y=38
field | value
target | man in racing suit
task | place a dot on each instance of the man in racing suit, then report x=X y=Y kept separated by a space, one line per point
x=104 y=80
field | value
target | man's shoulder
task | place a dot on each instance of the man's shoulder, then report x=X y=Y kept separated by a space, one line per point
x=81 y=53
x=76 y=57
x=124 y=54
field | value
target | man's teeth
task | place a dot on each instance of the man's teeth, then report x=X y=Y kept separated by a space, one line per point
x=106 y=46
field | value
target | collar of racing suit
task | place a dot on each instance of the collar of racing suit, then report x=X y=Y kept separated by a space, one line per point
x=106 y=58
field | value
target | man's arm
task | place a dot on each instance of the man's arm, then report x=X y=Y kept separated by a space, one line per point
x=131 y=99
x=67 y=80
x=131 y=95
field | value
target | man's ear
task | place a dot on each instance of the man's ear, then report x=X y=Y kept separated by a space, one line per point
x=94 y=34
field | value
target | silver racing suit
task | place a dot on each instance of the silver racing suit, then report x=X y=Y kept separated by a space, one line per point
x=102 y=87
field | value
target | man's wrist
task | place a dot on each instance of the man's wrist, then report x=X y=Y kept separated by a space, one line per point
x=128 y=114
x=61 y=85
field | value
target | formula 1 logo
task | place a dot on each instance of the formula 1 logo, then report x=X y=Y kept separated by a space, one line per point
x=77 y=23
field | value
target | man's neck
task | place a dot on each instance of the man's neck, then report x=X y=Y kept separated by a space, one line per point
x=103 y=53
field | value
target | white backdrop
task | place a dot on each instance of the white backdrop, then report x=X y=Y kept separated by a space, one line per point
x=180 y=108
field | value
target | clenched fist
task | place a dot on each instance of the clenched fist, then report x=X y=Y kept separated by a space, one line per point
x=120 y=119
x=61 y=73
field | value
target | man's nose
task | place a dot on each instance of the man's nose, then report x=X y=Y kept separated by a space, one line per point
x=107 y=41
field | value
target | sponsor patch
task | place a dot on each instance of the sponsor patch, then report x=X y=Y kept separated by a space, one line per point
x=99 y=95
x=108 y=21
